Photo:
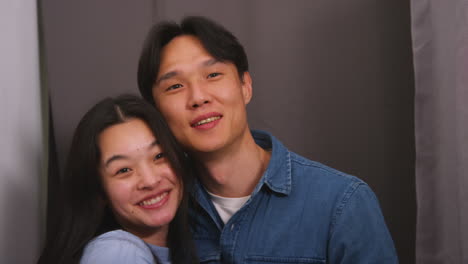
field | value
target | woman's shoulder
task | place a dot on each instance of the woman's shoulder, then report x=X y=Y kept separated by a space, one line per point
x=118 y=236
x=116 y=247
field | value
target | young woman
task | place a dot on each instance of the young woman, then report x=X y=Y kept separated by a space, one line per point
x=125 y=190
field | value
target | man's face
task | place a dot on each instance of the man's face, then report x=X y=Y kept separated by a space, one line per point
x=202 y=99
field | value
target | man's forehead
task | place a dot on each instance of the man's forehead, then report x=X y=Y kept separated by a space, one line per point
x=183 y=53
x=184 y=48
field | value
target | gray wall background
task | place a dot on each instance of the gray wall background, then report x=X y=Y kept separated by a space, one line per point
x=22 y=146
x=332 y=79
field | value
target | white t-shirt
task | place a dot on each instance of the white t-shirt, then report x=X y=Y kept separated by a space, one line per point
x=227 y=207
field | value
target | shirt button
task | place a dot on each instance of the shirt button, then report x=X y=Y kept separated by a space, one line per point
x=232 y=227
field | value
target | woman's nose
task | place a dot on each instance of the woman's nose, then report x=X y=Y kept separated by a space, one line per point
x=148 y=178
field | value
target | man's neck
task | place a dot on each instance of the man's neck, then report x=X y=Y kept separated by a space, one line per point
x=234 y=171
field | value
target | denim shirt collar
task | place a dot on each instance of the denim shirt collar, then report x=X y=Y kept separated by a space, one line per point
x=277 y=176
x=278 y=173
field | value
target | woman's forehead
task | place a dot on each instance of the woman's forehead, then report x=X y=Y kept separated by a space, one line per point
x=128 y=138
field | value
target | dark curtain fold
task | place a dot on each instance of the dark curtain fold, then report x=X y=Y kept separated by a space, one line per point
x=53 y=181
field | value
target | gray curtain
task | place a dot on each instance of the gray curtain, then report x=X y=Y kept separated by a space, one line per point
x=332 y=79
x=22 y=151
x=440 y=47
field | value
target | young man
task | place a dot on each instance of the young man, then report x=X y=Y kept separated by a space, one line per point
x=258 y=202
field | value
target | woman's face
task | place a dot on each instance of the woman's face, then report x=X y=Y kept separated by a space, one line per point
x=141 y=187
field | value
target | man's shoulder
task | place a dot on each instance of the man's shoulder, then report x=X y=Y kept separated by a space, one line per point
x=309 y=170
x=327 y=190
x=303 y=172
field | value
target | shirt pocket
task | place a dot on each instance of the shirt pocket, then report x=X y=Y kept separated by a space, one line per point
x=282 y=260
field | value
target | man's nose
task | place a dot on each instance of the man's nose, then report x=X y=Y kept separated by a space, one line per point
x=199 y=96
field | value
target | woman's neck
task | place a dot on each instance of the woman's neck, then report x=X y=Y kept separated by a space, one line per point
x=154 y=236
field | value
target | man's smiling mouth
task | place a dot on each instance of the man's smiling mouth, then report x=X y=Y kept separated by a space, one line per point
x=208 y=120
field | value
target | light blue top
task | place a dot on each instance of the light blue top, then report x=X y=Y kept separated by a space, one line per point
x=121 y=247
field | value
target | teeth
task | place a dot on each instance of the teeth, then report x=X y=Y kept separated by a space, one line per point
x=154 y=200
x=210 y=119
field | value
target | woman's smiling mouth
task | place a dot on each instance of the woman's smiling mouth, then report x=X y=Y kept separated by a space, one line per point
x=155 y=201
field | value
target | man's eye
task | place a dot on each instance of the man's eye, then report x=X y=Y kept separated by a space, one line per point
x=214 y=74
x=159 y=156
x=172 y=87
x=123 y=170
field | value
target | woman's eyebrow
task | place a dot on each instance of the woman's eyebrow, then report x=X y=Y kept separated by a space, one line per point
x=114 y=158
x=155 y=143
x=124 y=157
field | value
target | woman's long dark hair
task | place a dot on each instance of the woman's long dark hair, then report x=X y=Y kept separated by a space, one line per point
x=83 y=213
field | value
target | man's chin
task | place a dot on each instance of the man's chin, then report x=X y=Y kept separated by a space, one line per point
x=206 y=147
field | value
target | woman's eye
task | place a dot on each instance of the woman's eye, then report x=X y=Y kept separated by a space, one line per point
x=214 y=74
x=172 y=87
x=158 y=156
x=123 y=170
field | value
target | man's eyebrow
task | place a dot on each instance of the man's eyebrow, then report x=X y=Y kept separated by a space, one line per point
x=171 y=74
x=166 y=76
x=210 y=62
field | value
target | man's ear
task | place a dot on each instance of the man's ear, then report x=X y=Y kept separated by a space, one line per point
x=246 y=87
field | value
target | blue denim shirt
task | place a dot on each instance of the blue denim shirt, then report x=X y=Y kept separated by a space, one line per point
x=300 y=212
